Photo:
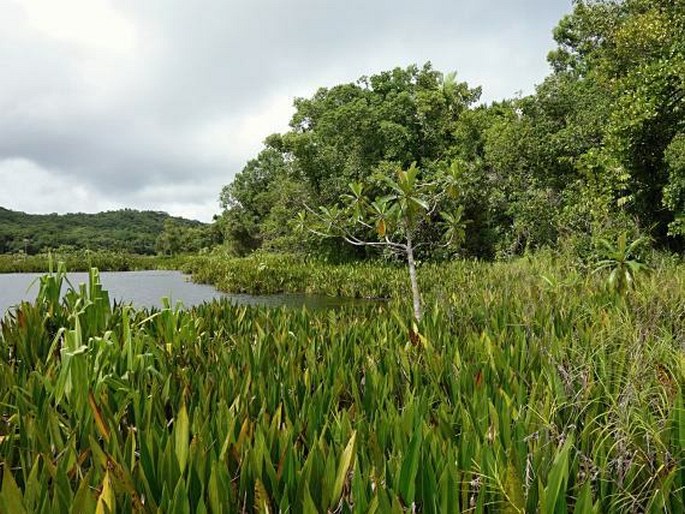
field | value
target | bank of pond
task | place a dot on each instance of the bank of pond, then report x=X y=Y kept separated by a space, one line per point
x=84 y=260
x=526 y=387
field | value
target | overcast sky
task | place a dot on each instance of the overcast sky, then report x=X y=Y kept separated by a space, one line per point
x=155 y=104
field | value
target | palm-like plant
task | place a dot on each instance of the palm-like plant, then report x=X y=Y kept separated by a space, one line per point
x=622 y=261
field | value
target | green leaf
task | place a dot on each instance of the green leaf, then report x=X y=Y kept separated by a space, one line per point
x=410 y=467
x=11 y=496
x=346 y=460
x=678 y=437
x=181 y=437
x=180 y=502
x=308 y=506
x=448 y=488
x=555 y=490
x=584 y=501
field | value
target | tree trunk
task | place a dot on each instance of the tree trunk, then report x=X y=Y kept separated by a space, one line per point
x=416 y=297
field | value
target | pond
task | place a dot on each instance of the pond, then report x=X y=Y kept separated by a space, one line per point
x=147 y=288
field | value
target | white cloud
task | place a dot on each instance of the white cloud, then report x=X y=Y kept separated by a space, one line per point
x=31 y=188
x=155 y=104
x=92 y=25
x=241 y=136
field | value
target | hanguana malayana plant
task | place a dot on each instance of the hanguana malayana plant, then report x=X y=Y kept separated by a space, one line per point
x=621 y=260
x=394 y=217
x=529 y=398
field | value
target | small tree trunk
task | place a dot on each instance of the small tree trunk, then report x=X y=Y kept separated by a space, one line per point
x=416 y=296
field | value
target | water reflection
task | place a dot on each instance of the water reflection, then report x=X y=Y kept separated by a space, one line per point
x=147 y=288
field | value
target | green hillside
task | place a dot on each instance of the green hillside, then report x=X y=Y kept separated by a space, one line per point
x=125 y=230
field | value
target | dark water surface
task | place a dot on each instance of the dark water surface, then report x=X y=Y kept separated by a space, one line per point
x=147 y=288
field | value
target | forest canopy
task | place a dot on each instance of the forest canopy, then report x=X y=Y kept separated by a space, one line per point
x=127 y=230
x=598 y=150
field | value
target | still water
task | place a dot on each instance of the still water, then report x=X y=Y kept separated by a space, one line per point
x=147 y=288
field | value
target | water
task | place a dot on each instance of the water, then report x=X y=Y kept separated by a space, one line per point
x=147 y=288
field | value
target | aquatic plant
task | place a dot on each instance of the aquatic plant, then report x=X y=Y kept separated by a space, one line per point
x=520 y=395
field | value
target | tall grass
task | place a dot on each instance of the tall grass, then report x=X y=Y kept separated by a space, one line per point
x=85 y=260
x=530 y=387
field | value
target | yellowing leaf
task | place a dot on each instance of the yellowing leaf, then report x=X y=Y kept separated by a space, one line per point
x=261 y=498
x=106 y=501
x=516 y=503
x=381 y=228
x=97 y=415
x=11 y=494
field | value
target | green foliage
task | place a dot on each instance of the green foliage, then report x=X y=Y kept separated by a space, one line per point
x=634 y=52
x=346 y=134
x=263 y=273
x=674 y=193
x=596 y=151
x=84 y=260
x=521 y=395
x=180 y=238
x=258 y=201
x=622 y=261
x=126 y=231
x=403 y=206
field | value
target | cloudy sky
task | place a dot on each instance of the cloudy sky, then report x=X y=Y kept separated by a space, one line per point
x=155 y=104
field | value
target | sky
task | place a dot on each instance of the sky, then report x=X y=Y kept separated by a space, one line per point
x=156 y=104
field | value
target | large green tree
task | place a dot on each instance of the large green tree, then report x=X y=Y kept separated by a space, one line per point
x=596 y=151
x=634 y=52
x=343 y=134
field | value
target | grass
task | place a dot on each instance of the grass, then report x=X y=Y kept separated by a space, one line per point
x=85 y=260
x=529 y=387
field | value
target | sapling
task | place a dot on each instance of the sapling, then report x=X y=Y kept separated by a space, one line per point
x=393 y=217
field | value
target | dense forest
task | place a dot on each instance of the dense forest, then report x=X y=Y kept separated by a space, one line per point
x=127 y=230
x=597 y=151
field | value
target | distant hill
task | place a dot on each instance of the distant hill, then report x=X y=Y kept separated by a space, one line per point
x=123 y=230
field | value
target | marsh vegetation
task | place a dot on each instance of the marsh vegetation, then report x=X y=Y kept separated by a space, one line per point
x=532 y=360
x=529 y=387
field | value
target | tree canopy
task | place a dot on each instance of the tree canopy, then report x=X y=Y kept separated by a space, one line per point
x=597 y=150
x=125 y=230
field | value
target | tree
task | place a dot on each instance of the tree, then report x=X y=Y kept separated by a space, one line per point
x=633 y=51
x=346 y=133
x=248 y=200
x=674 y=193
x=169 y=240
x=393 y=219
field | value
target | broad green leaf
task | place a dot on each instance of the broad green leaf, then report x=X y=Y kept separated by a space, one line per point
x=410 y=467
x=346 y=461
x=584 y=500
x=84 y=500
x=555 y=490
x=180 y=503
x=181 y=437
x=10 y=495
x=308 y=506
